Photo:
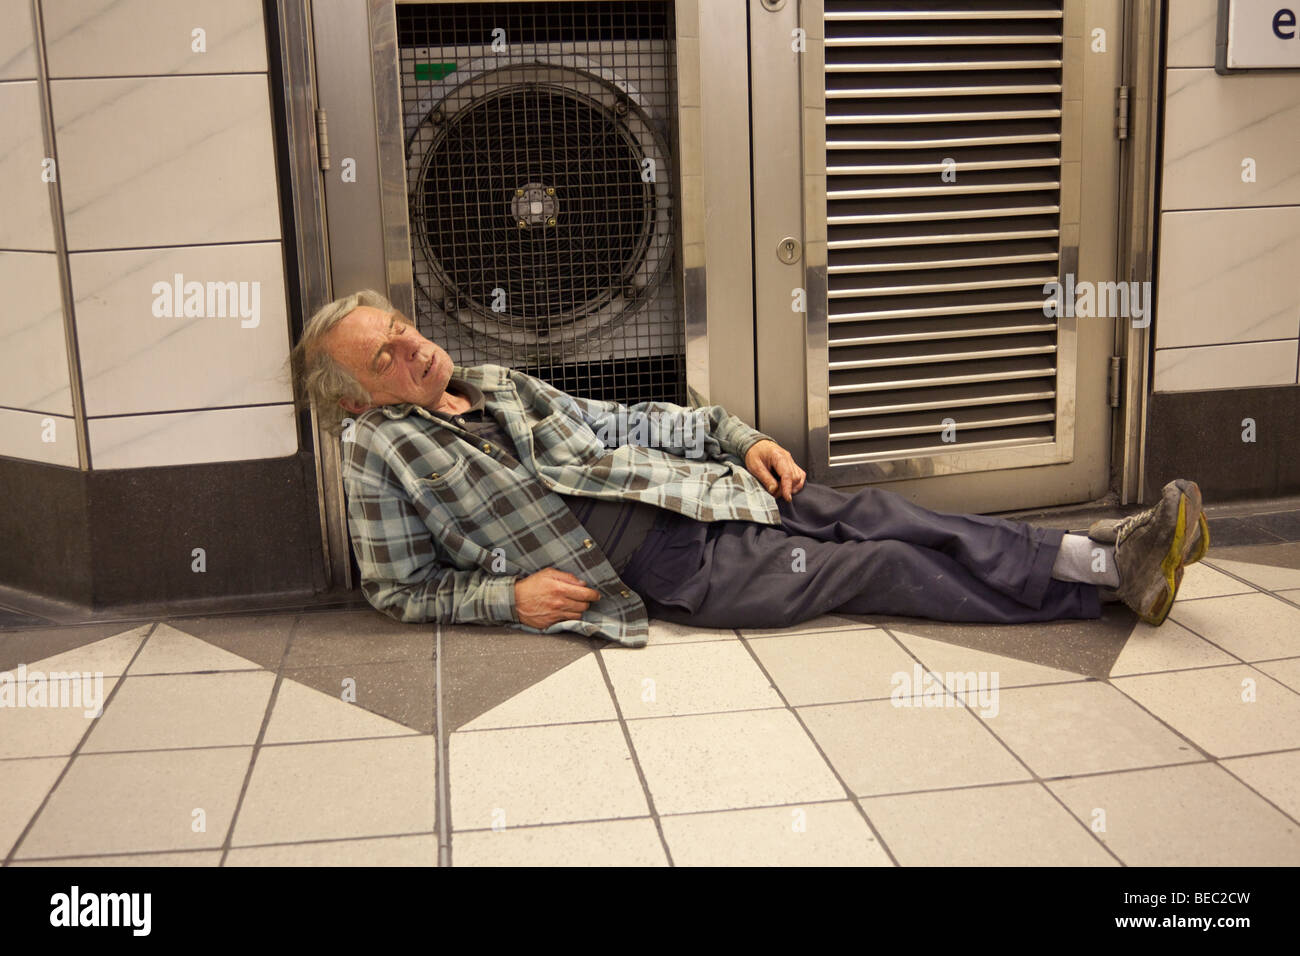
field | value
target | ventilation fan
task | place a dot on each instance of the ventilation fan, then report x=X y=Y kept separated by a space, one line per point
x=539 y=183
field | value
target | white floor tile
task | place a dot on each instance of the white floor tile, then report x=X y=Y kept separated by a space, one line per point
x=527 y=775
x=1228 y=711
x=728 y=761
x=1195 y=815
x=688 y=679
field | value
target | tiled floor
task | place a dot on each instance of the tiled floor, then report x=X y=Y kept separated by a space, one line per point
x=341 y=737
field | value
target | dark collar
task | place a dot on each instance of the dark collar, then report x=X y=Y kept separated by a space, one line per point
x=475 y=382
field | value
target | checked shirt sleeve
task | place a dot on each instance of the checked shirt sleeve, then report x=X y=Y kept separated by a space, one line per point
x=401 y=574
x=708 y=431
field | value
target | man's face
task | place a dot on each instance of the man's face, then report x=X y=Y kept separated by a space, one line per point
x=389 y=357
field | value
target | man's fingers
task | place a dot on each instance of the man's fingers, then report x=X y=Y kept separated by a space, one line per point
x=569 y=580
x=561 y=575
x=578 y=592
x=572 y=609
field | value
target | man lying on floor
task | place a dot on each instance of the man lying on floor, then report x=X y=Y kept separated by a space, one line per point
x=484 y=495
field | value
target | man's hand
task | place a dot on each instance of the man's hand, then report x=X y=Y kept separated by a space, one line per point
x=766 y=458
x=551 y=595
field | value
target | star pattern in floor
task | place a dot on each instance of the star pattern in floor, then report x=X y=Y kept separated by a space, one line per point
x=342 y=737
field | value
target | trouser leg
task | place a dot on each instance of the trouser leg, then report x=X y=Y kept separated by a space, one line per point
x=1008 y=556
x=871 y=552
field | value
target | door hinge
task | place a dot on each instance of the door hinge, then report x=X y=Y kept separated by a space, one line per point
x=1113 y=380
x=323 y=140
x=1122 y=128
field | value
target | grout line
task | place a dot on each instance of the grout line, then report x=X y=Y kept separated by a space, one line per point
x=169 y=246
x=261 y=735
x=75 y=752
x=1249 y=786
x=157 y=76
x=852 y=797
x=875 y=796
x=670 y=816
x=631 y=749
x=1215 y=644
x=442 y=756
x=217 y=849
x=266 y=745
x=1215 y=345
x=146 y=413
x=1258 y=588
x=1217 y=761
x=987 y=726
x=1079 y=679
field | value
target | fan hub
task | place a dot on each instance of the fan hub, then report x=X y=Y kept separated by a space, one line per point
x=533 y=204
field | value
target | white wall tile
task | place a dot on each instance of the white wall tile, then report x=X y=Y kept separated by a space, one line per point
x=135 y=362
x=23 y=434
x=1229 y=275
x=1213 y=122
x=1226 y=366
x=1193 y=30
x=33 y=347
x=24 y=197
x=17 y=51
x=151 y=37
x=187 y=438
x=166 y=161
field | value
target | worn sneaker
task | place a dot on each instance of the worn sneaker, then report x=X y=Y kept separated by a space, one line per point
x=1198 y=539
x=1152 y=547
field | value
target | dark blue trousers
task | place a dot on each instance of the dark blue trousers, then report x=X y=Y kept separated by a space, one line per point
x=871 y=552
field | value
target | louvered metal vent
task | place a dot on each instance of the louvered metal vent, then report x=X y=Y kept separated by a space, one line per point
x=541 y=196
x=935 y=282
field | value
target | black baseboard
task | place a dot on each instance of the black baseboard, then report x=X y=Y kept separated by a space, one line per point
x=1198 y=435
x=128 y=536
x=45 y=530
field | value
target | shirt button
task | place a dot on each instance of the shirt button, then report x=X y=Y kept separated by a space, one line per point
x=459 y=420
x=434 y=475
x=625 y=593
x=487 y=448
x=586 y=542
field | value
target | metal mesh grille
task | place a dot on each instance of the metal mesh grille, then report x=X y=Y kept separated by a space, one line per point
x=935 y=287
x=541 y=180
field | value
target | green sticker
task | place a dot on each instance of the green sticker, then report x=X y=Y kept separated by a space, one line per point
x=433 y=71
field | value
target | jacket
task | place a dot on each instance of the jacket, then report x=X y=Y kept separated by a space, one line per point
x=444 y=524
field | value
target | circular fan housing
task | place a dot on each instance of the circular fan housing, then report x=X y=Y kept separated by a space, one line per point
x=539 y=198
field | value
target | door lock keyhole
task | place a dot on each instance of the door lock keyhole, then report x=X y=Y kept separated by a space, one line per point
x=788 y=249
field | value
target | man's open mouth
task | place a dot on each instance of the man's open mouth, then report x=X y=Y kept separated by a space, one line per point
x=427 y=368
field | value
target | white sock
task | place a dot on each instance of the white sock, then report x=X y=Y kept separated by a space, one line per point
x=1086 y=561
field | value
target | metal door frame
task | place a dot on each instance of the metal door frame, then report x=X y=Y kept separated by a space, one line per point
x=1143 y=71
x=305 y=193
x=773 y=70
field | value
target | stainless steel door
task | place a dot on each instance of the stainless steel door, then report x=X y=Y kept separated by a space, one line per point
x=920 y=179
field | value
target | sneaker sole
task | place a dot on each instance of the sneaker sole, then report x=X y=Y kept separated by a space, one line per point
x=1192 y=491
x=1171 y=567
x=1203 y=545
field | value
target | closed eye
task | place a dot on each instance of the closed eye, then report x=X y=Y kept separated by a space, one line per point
x=386 y=364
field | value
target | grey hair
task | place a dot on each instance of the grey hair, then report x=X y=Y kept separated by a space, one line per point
x=321 y=380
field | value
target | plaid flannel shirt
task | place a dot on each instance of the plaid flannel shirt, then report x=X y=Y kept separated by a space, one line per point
x=444 y=524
